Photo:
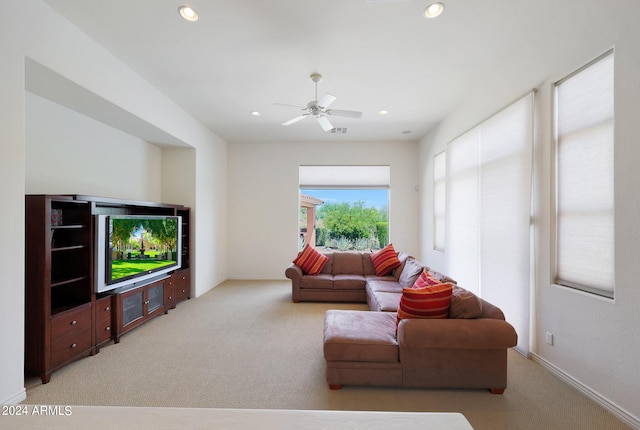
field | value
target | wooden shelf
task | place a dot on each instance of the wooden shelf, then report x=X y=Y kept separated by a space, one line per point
x=67 y=248
x=58 y=282
x=67 y=281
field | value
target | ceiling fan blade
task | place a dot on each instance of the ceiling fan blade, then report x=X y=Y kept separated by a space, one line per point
x=324 y=123
x=348 y=113
x=296 y=119
x=287 y=105
x=326 y=100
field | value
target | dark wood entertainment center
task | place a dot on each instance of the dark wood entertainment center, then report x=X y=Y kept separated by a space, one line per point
x=65 y=318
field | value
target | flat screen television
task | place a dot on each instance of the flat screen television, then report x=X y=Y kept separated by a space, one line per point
x=133 y=250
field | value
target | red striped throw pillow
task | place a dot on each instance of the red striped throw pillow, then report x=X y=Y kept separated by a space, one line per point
x=310 y=261
x=425 y=279
x=431 y=301
x=385 y=260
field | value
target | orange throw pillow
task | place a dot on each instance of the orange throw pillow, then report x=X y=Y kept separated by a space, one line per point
x=385 y=260
x=425 y=279
x=310 y=261
x=425 y=300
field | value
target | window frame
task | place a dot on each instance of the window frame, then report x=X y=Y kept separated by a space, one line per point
x=555 y=263
x=439 y=214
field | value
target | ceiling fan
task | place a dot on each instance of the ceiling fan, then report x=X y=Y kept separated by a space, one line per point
x=319 y=108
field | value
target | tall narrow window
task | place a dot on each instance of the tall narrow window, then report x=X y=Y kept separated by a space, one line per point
x=584 y=178
x=439 y=199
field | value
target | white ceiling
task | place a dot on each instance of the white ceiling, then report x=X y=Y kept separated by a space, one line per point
x=246 y=55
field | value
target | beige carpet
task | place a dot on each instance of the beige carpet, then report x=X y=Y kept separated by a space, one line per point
x=246 y=345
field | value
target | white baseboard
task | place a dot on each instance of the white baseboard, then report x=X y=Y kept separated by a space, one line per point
x=620 y=413
x=15 y=399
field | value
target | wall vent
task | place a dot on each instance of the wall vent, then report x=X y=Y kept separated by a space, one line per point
x=339 y=130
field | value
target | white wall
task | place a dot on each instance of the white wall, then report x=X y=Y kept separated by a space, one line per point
x=38 y=33
x=211 y=231
x=69 y=153
x=12 y=194
x=263 y=198
x=596 y=341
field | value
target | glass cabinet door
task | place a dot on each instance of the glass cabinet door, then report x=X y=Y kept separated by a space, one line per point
x=132 y=308
x=155 y=297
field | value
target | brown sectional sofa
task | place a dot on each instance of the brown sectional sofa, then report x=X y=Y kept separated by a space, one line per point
x=343 y=279
x=467 y=350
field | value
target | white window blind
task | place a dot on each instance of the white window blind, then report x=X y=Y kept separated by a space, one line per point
x=463 y=210
x=335 y=177
x=489 y=210
x=584 y=178
x=439 y=199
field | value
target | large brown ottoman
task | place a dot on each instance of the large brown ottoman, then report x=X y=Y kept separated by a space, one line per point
x=360 y=348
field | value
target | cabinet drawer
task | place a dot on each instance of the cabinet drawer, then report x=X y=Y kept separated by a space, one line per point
x=70 y=335
x=182 y=285
x=71 y=321
x=104 y=321
x=103 y=331
x=104 y=309
x=169 y=293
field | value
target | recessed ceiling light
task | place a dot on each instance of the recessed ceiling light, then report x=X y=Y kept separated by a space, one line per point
x=188 y=13
x=383 y=112
x=255 y=113
x=433 y=10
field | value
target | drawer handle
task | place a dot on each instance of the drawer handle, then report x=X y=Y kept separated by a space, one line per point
x=184 y=277
x=108 y=308
x=73 y=345
x=146 y=302
x=74 y=322
x=170 y=297
x=107 y=329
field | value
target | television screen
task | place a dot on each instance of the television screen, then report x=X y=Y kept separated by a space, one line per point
x=141 y=245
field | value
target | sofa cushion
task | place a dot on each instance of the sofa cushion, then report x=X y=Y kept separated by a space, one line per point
x=347 y=263
x=403 y=257
x=410 y=272
x=310 y=261
x=431 y=301
x=385 y=260
x=348 y=282
x=464 y=304
x=384 y=301
x=321 y=281
x=367 y=265
x=389 y=286
x=441 y=277
x=360 y=336
x=328 y=267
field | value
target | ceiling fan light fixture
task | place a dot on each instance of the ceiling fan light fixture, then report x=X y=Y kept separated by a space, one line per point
x=319 y=108
x=434 y=10
x=188 y=13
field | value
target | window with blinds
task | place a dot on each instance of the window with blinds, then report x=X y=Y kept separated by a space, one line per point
x=584 y=221
x=488 y=211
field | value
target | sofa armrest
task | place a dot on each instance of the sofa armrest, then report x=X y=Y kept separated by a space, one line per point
x=482 y=333
x=294 y=273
